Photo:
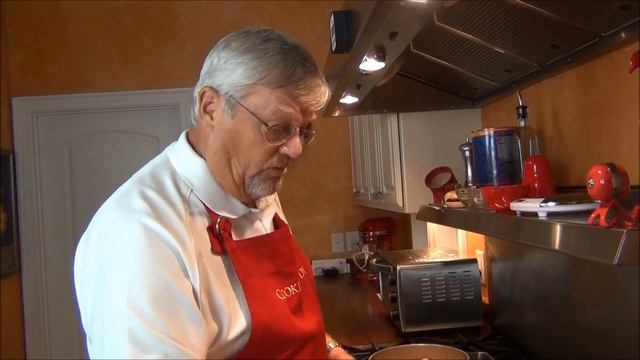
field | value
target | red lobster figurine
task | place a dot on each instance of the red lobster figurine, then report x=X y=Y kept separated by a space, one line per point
x=609 y=184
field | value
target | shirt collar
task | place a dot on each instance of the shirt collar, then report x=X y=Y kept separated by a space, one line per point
x=195 y=172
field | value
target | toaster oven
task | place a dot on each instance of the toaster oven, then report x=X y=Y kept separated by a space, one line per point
x=429 y=289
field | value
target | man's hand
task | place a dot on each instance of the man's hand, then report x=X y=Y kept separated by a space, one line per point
x=340 y=353
x=336 y=352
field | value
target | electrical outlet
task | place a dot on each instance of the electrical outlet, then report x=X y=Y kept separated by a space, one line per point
x=481 y=265
x=337 y=242
x=339 y=263
x=353 y=241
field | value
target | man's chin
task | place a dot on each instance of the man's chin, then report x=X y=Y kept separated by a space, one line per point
x=266 y=187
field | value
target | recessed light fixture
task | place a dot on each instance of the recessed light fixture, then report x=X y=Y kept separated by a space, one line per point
x=348 y=99
x=374 y=60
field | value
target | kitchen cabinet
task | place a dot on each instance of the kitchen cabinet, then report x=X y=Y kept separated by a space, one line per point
x=375 y=161
x=392 y=153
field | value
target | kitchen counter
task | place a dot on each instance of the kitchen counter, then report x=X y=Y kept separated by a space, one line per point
x=354 y=315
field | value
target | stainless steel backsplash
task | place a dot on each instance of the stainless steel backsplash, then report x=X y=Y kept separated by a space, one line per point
x=560 y=306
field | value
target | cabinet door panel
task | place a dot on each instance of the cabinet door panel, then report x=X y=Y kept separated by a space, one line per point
x=389 y=156
x=373 y=143
x=359 y=158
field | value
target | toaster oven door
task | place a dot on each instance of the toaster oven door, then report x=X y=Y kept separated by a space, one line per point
x=439 y=295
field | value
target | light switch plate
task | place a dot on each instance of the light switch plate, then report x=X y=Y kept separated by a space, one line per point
x=337 y=242
x=353 y=241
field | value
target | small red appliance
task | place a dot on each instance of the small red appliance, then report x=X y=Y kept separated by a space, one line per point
x=609 y=184
x=376 y=234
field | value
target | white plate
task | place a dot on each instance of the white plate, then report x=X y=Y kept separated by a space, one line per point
x=533 y=205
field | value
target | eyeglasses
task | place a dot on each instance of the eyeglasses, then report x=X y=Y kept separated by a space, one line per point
x=278 y=134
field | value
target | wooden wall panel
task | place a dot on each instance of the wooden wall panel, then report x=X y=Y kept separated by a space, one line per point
x=586 y=115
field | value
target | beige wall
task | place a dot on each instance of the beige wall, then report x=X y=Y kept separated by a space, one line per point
x=61 y=47
x=585 y=116
x=83 y=46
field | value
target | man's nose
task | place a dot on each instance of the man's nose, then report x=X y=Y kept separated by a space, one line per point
x=292 y=147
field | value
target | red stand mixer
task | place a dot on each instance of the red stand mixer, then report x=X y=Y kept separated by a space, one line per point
x=376 y=234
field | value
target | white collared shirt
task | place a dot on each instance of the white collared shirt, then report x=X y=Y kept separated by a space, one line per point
x=146 y=281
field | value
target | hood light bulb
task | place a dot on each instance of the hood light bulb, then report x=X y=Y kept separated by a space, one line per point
x=348 y=99
x=374 y=60
x=370 y=64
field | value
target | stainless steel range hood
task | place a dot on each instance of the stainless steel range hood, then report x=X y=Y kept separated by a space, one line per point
x=461 y=54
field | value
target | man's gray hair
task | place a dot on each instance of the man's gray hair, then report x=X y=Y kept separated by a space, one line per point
x=262 y=56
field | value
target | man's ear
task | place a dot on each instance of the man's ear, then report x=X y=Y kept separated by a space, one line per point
x=209 y=101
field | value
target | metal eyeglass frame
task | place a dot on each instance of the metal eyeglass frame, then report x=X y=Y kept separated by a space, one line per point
x=306 y=135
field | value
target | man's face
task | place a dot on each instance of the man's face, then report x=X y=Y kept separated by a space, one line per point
x=259 y=165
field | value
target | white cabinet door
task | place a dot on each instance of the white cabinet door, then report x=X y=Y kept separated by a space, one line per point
x=375 y=149
x=72 y=152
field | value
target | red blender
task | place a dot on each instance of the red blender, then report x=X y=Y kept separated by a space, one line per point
x=376 y=234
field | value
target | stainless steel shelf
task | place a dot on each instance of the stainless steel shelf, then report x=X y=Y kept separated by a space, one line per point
x=567 y=234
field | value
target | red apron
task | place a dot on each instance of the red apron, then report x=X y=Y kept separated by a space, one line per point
x=277 y=281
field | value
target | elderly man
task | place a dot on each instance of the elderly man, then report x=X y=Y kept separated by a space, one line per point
x=192 y=257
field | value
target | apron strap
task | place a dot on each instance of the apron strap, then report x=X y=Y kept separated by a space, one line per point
x=277 y=221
